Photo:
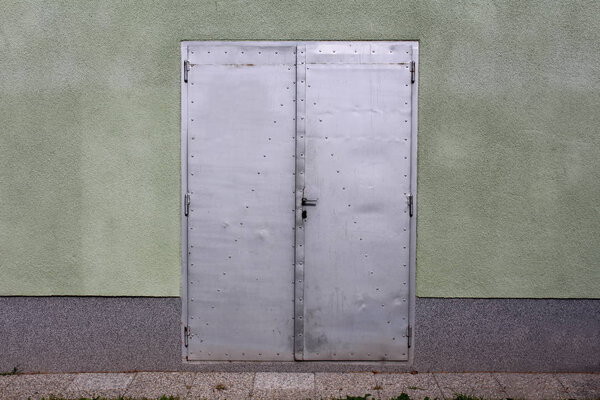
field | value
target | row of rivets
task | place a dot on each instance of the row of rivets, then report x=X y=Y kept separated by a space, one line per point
x=299 y=236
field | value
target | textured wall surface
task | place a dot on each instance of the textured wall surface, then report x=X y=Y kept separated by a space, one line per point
x=509 y=138
x=83 y=334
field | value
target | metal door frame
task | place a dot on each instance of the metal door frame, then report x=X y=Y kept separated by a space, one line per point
x=184 y=190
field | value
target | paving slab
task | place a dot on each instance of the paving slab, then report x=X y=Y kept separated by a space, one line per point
x=152 y=385
x=339 y=385
x=24 y=387
x=471 y=384
x=581 y=386
x=99 y=385
x=273 y=386
x=221 y=386
x=298 y=386
x=417 y=386
x=532 y=386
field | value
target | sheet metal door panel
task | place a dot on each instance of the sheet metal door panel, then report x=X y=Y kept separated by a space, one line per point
x=356 y=249
x=241 y=144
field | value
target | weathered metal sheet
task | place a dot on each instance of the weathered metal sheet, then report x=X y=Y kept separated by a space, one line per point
x=299 y=159
x=300 y=168
x=241 y=145
x=358 y=168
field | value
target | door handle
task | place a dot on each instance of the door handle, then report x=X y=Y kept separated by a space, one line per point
x=308 y=202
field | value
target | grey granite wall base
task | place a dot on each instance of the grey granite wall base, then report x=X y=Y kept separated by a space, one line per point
x=507 y=335
x=69 y=334
x=81 y=334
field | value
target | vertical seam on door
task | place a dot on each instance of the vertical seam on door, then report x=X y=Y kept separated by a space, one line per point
x=299 y=228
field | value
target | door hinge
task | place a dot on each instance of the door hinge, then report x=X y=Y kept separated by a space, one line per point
x=409 y=335
x=186 y=336
x=186 y=69
x=186 y=204
x=412 y=72
x=410 y=205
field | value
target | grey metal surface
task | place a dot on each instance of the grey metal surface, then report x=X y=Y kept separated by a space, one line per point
x=299 y=195
x=241 y=144
x=358 y=167
x=243 y=91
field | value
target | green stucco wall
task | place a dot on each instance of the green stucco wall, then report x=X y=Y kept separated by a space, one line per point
x=509 y=157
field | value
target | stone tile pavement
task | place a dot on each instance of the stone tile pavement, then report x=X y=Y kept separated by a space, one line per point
x=282 y=386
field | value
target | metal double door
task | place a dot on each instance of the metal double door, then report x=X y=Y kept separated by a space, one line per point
x=298 y=200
